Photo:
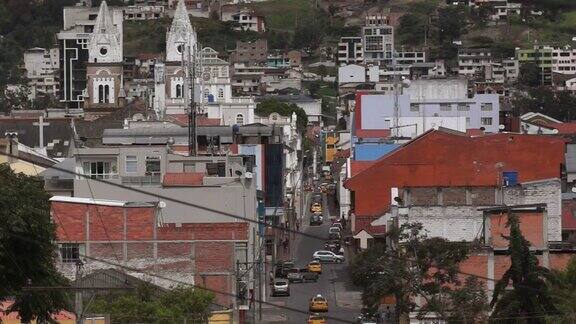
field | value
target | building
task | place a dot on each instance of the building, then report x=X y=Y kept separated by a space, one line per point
x=74 y=40
x=350 y=50
x=426 y=104
x=312 y=107
x=246 y=79
x=444 y=158
x=250 y=52
x=472 y=61
x=549 y=59
x=195 y=253
x=104 y=69
x=144 y=12
x=247 y=20
x=43 y=71
x=378 y=40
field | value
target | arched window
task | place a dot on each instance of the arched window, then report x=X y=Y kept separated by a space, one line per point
x=239 y=119
x=100 y=94
x=220 y=93
x=107 y=94
x=178 y=91
x=206 y=93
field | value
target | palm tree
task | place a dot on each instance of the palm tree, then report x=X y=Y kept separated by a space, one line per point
x=529 y=297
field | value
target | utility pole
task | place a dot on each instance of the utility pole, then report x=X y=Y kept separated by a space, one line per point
x=254 y=273
x=192 y=137
x=78 y=305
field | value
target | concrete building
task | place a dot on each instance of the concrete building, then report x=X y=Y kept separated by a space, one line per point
x=377 y=40
x=428 y=103
x=74 y=39
x=312 y=107
x=250 y=52
x=247 y=20
x=43 y=71
x=473 y=61
x=444 y=158
x=143 y=12
x=549 y=59
x=350 y=50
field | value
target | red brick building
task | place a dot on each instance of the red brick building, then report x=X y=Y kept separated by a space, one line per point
x=132 y=234
x=445 y=158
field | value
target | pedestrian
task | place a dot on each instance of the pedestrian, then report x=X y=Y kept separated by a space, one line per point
x=285 y=244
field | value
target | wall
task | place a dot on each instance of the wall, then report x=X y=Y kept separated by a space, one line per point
x=351 y=73
x=372 y=151
x=548 y=192
x=202 y=254
x=454 y=223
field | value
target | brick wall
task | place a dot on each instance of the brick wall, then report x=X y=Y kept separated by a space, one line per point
x=453 y=196
x=531 y=225
x=131 y=237
x=423 y=196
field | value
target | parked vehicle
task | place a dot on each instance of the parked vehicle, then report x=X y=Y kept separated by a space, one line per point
x=282 y=267
x=334 y=236
x=337 y=224
x=334 y=229
x=281 y=287
x=294 y=275
x=316 y=207
x=333 y=246
x=327 y=256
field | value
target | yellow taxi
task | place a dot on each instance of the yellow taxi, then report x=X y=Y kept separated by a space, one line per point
x=316 y=319
x=315 y=266
x=318 y=304
x=316 y=208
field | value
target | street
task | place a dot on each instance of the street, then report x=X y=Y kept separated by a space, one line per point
x=334 y=283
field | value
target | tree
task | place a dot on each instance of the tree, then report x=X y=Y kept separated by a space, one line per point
x=313 y=88
x=420 y=266
x=411 y=29
x=530 y=75
x=266 y=107
x=27 y=251
x=15 y=99
x=150 y=306
x=470 y=301
x=556 y=104
x=563 y=288
x=530 y=295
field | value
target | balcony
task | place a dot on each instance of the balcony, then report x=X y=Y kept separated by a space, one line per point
x=147 y=180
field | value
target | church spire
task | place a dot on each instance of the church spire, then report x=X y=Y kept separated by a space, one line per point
x=105 y=43
x=181 y=34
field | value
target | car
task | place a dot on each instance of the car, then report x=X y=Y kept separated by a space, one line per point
x=334 y=236
x=281 y=287
x=334 y=229
x=316 y=319
x=294 y=275
x=318 y=304
x=333 y=246
x=282 y=267
x=315 y=219
x=327 y=256
x=308 y=275
x=316 y=207
x=315 y=266
x=337 y=224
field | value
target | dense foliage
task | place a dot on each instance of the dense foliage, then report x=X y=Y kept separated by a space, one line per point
x=148 y=305
x=419 y=266
x=556 y=104
x=266 y=107
x=27 y=252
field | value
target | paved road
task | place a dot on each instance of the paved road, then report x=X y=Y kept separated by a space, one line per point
x=334 y=283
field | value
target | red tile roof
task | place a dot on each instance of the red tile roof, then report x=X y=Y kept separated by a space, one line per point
x=474 y=132
x=4 y=305
x=183 y=179
x=364 y=223
x=359 y=166
x=372 y=133
x=564 y=128
x=182 y=120
x=342 y=154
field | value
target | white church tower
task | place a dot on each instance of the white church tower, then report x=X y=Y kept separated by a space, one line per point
x=104 y=68
x=181 y=36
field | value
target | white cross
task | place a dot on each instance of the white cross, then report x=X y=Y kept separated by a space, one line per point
x=41 y=124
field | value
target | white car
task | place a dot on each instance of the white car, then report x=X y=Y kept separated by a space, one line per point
x=327 y=256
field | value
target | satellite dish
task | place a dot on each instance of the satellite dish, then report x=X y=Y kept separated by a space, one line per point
x=573 y=189
x=161 y=204
x=555 y=131
x=501 y=127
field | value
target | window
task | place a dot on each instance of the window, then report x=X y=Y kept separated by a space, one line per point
x=486 y=107
x=445 y=107
x=131 y=163
x=414 y=107
x=486 y=121
x=463 y=107
x=103 y=51
x=152 y=165
x=220 y=93
x=178 y=91
x=99 y=169
x=467 y=122
x=239 y=119
x=70 y=252
x=241 y=251
x=100 y=94
x=107 y=93
x=206 y=94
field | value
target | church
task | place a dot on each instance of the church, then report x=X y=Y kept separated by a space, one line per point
x=188 y=76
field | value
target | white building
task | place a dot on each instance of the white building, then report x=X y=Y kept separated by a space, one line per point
x=350 y=50
x=42 y=69
x=473 y=60
x=378 y=40
x=144 y=12
x=247 y=20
